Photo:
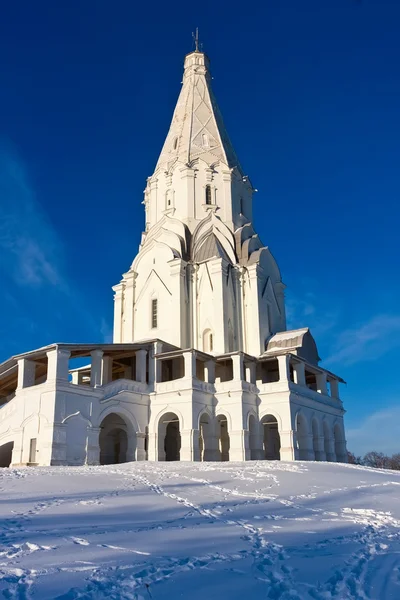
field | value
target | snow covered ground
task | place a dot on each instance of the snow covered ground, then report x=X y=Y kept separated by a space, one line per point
x=270 y=530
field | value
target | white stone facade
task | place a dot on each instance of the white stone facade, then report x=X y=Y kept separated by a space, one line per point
x=202 y=367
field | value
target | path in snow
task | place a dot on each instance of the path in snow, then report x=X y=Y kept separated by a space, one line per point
x=144 y=531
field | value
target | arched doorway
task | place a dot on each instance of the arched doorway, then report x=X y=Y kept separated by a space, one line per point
x=113 y=440
x=271 y=438
x=6 y=454
x=303 y=438
x=169 y=437
x=224 y=442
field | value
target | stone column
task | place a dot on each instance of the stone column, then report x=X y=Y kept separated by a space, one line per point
x=288 y=450
x=93 y=447
x=58 y=365
x=319 y=449
x=299 y=373
x=239 y=445
x=118 y=304
x=305 y=447
x=250 y=372
x=95 y=371
x=140 y=449
x=106 y=370
x=334 y=388
x=211 y=441
x=141 y=365
x=256 y=442
x=330 y=449
x=190 y=445
x=210 y=371
x=153 y=447
x=238 y=370
x=26 y=373
x=190 y=364
x=283 y=365
x=321 y=383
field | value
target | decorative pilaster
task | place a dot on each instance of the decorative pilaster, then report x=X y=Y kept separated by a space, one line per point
x=128 y=310
x=118 y=312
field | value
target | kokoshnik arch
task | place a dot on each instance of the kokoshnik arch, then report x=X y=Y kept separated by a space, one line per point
x=201 y=366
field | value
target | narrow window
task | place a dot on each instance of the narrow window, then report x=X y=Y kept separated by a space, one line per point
x=208 y=194
x=205 y=140
x=241 y=206
x=154 y=313
x=175 y=143
x=211 y=342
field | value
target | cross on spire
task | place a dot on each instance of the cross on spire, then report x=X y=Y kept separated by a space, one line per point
x=196 y=40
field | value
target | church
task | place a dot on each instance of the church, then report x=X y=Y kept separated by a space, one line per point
x=202 y=367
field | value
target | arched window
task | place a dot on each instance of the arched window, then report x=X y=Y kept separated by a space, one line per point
x=204 y=138
x=208 y=194
x=208 y=341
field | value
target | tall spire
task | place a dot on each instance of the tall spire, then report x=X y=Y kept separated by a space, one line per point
x=197 y=130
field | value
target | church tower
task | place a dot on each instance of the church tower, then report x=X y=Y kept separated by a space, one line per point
x=202 y=278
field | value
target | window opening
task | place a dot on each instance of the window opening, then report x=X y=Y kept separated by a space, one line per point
x=208 y=194
x=154 y=313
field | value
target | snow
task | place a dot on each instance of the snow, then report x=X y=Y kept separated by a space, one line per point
x=270 y=530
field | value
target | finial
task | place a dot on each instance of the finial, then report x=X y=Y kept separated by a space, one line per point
x=196 y=40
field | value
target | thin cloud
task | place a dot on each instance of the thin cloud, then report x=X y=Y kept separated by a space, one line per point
x=33 y=257
x=30 y=249
x=369 y=341
x=379 y=431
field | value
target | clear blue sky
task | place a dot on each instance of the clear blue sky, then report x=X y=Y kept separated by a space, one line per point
x=310 y=93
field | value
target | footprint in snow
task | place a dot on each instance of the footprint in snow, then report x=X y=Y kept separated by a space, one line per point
x=80 y=541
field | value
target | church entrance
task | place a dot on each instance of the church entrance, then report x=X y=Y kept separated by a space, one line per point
x=272 y=439
x=170 y=436
x=6 y=454
x=113 y=440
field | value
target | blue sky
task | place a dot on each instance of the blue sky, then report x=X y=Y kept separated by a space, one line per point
x=310 y=93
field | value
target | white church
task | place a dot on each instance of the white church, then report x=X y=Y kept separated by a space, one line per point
x=201 y=366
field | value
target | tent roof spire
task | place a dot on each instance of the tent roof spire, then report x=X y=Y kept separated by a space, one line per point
x=197 y=130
